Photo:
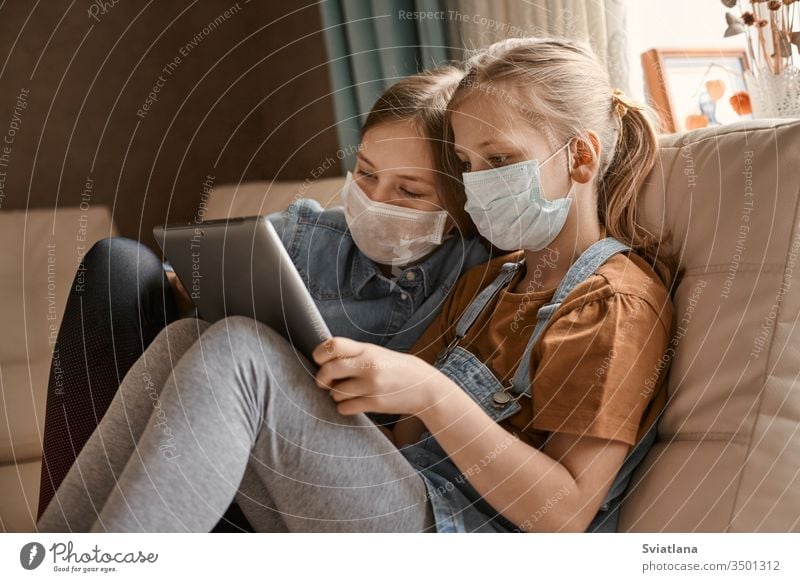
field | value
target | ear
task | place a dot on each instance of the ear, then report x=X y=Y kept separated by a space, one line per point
x=585 y=152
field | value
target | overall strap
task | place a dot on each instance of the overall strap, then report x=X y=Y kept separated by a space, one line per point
x=477 y=305
x=597 y=254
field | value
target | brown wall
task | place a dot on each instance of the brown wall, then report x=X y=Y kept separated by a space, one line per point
x=87 y=78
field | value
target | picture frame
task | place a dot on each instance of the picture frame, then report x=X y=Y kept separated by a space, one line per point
x=697 y=87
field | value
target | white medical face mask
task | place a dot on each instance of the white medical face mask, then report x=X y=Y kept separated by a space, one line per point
x=507 y=206
x=387 y=233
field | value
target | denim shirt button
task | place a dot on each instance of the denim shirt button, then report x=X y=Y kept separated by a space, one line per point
x=411 y=276
x=403 y=296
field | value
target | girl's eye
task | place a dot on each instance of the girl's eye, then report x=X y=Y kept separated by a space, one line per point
x=410 y=193
x=498 y=160
x=366 y=175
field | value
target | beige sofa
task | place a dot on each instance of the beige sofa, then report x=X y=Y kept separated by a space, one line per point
x=728 y=454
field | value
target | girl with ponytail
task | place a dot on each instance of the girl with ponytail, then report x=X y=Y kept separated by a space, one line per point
x=535 y=393
x=560 y=340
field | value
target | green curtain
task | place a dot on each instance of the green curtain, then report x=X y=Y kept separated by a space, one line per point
x=371 y=44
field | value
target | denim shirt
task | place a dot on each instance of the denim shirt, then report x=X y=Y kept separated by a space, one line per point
x=355 y=298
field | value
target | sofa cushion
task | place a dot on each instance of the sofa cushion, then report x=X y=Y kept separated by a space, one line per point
x=19 y=486
x=728 y=453
x=25 y=399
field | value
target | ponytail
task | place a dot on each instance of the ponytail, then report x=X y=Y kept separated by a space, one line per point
x=635 y=154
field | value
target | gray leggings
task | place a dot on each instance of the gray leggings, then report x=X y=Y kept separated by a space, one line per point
x=213 y=412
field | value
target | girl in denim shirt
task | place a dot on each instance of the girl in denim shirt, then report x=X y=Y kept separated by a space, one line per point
x=507 y=426
x=375 y=277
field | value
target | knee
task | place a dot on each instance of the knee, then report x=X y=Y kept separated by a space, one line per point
x=111 y=246
x=246 y=338
x=99 y=257
x=121 y=254
x=123 y=276
x=245 y=348
x=240 y=325
x=241 y=331
x=181 y=331
x=186 y=325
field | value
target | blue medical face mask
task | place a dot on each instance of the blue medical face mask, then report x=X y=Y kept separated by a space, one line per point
x=507 y=206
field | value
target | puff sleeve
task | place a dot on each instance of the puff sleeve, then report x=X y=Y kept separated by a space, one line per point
x=595 y=363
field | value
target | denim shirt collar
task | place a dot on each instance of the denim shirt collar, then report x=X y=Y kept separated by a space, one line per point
x=363 y=269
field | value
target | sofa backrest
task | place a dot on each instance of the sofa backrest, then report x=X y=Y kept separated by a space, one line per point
x=257 y=198
x=728 y=453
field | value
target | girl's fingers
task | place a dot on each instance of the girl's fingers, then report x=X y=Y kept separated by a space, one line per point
x=337 y=347
x=337 y=369
x=347 y=390
x=354 y=406
x=323 y=352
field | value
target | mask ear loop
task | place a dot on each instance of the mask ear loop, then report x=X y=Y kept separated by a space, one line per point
x=569 y=165
x=570 y=162
x=554 y=154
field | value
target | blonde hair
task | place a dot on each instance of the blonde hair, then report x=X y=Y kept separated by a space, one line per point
x=421 y=99
x=564 y=90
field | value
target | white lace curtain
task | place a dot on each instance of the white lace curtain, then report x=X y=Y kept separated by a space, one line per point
x=478 y=23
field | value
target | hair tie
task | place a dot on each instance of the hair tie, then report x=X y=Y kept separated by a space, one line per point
x=618 y=101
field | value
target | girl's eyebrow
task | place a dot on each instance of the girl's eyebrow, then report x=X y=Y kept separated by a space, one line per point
x=409 y=177
x=485 y=143
x=364 y=159
x=413 y=178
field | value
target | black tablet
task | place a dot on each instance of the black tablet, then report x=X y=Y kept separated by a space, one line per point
x=239 y=266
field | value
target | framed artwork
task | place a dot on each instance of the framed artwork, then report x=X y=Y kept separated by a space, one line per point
x=692 y=88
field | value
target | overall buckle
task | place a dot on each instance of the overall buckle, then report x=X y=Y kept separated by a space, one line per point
x=447 y=349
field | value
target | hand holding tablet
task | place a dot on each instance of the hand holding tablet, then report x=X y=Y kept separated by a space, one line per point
x=239 y=266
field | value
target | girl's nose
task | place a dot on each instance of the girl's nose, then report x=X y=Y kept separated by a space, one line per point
x=384 y=192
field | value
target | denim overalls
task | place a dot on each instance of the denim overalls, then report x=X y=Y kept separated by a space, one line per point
x=457 y=506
